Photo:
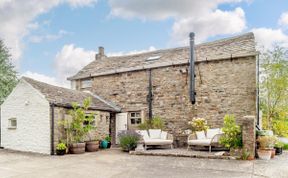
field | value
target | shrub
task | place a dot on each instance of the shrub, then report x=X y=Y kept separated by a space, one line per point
x=61 y=146
x=155 y=123
x=285 y=147
x=128 y=139
x=198 y=124
x=232 y=137
x=279 y=144
x=267 y=141
x=108 y=138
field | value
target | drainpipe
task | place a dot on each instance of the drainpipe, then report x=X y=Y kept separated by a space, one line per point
x=0 y=129
x=52 y=128
x=257 y=93
x=192 y=92
x=150 y=95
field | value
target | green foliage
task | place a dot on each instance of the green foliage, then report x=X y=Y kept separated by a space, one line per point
x=155 y=123
x=61 y=146
x=108 y=138
x=81 y=123
x=273 y=90
x=285 y=146
x=198 y=124
x=245 y=154
x=267 y=141
x=128 y=139
x=8 y=74
x=232 y=137
x=279 y=144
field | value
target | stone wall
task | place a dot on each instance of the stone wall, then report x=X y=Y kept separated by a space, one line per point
x=223 y=87
x=248 y=125
x=102 y=120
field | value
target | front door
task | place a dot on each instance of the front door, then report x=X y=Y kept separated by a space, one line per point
x=121 y=124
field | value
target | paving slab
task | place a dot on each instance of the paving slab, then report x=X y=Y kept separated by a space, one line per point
x=115 y=163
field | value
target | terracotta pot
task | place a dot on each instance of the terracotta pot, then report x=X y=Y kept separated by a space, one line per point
x=273 y=152
x=264 y=154
x=92 y=146
x=77 y=148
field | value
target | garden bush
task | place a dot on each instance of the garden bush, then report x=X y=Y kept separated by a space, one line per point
x=154 y=123
x=128 y=139
x=232 y=137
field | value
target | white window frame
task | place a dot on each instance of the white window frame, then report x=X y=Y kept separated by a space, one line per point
x=87 y=83
x=10 y=125
x=137 y=116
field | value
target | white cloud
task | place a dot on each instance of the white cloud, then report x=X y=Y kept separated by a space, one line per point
x=45 y=79
x=267 y=37
x=71 y=59
x=212 y=24
x=16 y=17
x=48 y=37
x=283 y=20
x=202 y=17
x=159 y=10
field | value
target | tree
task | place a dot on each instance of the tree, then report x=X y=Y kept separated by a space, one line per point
x=274 y=89
x=8 y=75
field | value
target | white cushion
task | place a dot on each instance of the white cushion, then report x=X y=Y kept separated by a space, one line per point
x=144 y=134
x=155 y=133
x=204 y=142
x=200 y=135
x=158 y=142
x=163 y=135
x=212 y=132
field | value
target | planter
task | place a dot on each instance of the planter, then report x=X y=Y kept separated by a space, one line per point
x=264 y=154
x=77 y=148
x=60 y=152
x=92 y=146
x=109 y=145
x=273 y=152
x=279 y=151
x=104 y=144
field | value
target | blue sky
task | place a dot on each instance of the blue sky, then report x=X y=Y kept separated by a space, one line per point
x=52 y=39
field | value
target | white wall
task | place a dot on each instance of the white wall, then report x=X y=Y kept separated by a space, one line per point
x=33 y=120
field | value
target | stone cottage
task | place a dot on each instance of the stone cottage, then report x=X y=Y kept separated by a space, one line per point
x=157 y=83
x=30 y=115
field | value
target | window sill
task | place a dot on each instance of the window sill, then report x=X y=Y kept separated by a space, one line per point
x=12 y=128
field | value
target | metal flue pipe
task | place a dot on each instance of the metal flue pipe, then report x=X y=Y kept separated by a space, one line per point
x=192 y=75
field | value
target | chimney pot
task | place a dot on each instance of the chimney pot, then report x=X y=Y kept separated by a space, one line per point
x=101 y=51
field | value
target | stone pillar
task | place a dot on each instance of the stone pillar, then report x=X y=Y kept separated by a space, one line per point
x=248 y=134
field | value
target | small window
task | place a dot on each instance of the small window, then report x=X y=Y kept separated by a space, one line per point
x=93 y=123
x=86 y=83
x=135 y=118
x=12 y=123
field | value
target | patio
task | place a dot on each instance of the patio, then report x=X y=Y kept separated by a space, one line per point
x=115 y=163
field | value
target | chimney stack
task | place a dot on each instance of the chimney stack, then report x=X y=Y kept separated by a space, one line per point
x=100 y=54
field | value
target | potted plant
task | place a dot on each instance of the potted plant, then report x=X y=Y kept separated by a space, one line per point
x=128 y=140
x=266 y=145
x=75 y=128
x=108 y=139
x=232 y=136
x=61 y=149
x=198 y=124
x=279 y=147
x=91 y=145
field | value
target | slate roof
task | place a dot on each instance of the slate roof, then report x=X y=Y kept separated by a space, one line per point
x=64 y=97
x=238 y=46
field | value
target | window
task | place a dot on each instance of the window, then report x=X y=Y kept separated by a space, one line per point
x=12 y=123
x=86 y=83
x=93 y=123
x=135 y=118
